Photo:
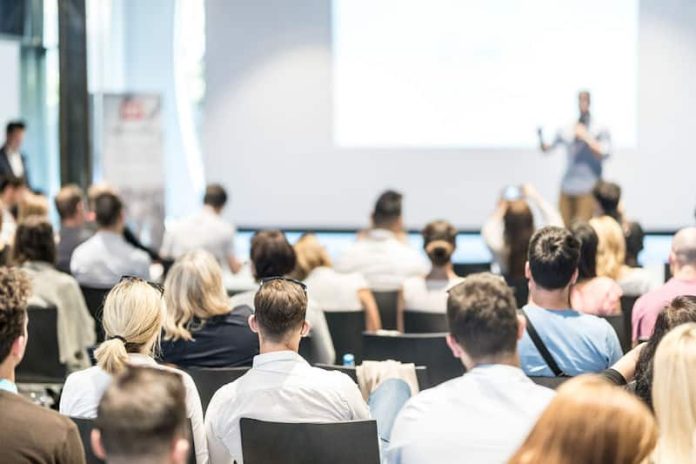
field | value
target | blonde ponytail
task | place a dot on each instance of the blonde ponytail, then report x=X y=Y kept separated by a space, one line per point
x=112 y=356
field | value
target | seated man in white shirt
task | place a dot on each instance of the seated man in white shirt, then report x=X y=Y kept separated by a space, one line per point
x=12 y=189
x=486 y=414
x=382 y=253
x=102 y=260
x=204 y=231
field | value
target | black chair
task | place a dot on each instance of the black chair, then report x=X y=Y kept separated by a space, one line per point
x=617 y=322
x=306 y=350
x=464 y=269
x=210 y=380
x=387 y=302
x=421 y=373
x=309 y=443
x=549 y=382
x=94 y=298
x=346 y=328
x=627 y=303
x=429 y=350
x=425 y=322
x=41 y=363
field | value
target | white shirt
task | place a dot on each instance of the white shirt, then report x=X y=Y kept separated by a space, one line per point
x=421 y=294
x=481 y=417
x=203 y=231
x=16 y=163
x=103 y=259
x=9 y=226
x=281 y=387
x=334 y=291
x=383 y=259
x=322 y=343
x=83 y=391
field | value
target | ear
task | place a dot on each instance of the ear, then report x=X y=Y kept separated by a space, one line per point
x=180 y=451
x=521 y=326
x=97 y=447
x=306 y=327
x=253 y=325
x=19 y=346
x=574 y=277
x=527 y=271
x=454 y=346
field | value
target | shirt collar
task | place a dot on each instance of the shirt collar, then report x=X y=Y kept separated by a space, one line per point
x=380 y=234
x=499 y=370
x=109 y=235
x=265 y=359
x=8 y=386
x=139 y=359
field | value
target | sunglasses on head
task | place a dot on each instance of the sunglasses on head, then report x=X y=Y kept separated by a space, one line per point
x=155 y=285
x=286 y=279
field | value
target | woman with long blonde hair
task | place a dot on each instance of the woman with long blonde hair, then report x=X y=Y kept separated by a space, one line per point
x=132 y=317
x=591 y=421
x=201 y=329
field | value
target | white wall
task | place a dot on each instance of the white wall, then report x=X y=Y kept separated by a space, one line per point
x=267 y=130
x=9 y=81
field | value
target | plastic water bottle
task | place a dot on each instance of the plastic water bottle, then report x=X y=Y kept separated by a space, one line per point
x=348 y=360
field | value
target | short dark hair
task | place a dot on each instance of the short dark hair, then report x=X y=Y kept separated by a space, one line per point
x=482 y=316
x=34 y=241
x=67 y=200
x=387 y=208
x=553 y=257
x=439 y=241
x=608 y=196
x=14 y=125
x=14 y=292
x=589 y=241
x=272 y=254
x=635 y=236
x=10 y=182
x=215 y=196
x=108 y=208
x=142 y=412
x=280 y=306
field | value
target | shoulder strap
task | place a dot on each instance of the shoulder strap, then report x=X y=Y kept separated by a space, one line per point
x=541 y=347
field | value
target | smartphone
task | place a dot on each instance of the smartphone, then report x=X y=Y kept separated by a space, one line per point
x=512 y=192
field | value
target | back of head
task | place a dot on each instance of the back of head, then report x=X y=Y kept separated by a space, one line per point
x=11 y=182
x=215 y=196
x=553 y=258
x=608 y=197
x=96 y=190
x=132 y=318
x=674 y=394
x=518 y=223
x=13 y=126
x=684 y=247
x=589 y=242
x=194 y=288
x=280 y=307
x=482 y=316
x=590 y=421
x=634 y=236
x=34 y=241
x=611 y=247
x=107 y=209
x=310 y=255
x=387 y=210
x=33 y=205
x=14 y=292
x=67 y=201
x=141 y=415
x=272 y=254
x=439 y=242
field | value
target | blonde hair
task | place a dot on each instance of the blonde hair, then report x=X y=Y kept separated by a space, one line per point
x=674 y=395
x=611 y=249
x=310 y=255
x=194 y=288
x=32 y=205
x=592 y=422
x=132 y=320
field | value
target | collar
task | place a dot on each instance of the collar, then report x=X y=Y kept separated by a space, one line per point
x=499 y=370
x=380 y=234
x=37 y=266
x=264 y=359
x=139 y=359
x=8 y=386
x=109 y=235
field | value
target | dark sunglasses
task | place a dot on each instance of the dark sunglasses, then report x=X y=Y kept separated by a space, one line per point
x=155 y=285
x=285 y=279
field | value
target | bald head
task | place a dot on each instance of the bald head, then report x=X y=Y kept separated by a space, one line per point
x=684 y=247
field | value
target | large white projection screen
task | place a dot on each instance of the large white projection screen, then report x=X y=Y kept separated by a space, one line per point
x=480 y=73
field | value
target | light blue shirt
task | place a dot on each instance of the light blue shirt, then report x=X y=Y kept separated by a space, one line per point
x=8 y=386
x=579 y=343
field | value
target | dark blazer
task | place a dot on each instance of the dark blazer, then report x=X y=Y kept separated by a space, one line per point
x=6 y=167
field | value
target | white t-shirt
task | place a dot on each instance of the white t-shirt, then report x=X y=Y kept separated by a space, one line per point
x=334 y=291
x=421 y=294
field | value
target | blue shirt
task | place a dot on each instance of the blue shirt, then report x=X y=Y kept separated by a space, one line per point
x=579 y=343
x=8 y=386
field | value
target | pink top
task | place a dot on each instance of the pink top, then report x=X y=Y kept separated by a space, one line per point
x=648 y=306
x=599 y=296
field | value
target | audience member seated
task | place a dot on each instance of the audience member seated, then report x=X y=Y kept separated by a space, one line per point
x=429 y=293
x=508 y=230
x=382 y=253
x=201 y=329
x=204 y=231
x=682 y=261
x=273 y=256
x=592 y=294
x=101 y=260
x=674 y=396
x=11 y=192
x=494 y=405
x=680 y=310
x=282 y=386
x=330 y=290
x=142 y=419
x=35 y=252
x=578 y=343
x=30 y=433
x=591 y=421
x=71 y=208
x=633 y=232
x=133 y=317
x=608 y=198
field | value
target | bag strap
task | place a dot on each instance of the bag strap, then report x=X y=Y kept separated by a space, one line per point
x=541 y=347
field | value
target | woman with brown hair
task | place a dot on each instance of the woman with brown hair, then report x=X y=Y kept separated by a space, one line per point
x=590 y=421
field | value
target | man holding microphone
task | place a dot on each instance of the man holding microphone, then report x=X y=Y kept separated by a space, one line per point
x=587 y=145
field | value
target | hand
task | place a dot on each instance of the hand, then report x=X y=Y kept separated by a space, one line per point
x=581 y=132
x=529 y=191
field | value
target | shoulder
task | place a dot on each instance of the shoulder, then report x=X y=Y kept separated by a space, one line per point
x=329 y=378
x=45 y=422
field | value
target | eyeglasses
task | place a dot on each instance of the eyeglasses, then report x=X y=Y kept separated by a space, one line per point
x=285 y=279
x=155 y=285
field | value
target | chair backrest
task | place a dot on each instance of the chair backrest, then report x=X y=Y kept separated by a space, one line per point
x=94 y=298
x=41 y=363
x=627 y=303
x=549 y=382
x=387 y=303
x=429 y=350
x=346 y=329
x=425 y=322
x=421 y=373
x=464 y=269
x=209 y=380
x=617 y=323
x=308 y=443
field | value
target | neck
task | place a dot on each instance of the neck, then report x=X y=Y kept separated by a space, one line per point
x=139 y=460
x=71 y=222
x=212 y=209
x=550 y=299
x=445 y=272
x=687 y=272
x=116 y=229
x=507 y=359
x=7 y=370
x=289 y=344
